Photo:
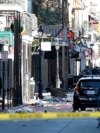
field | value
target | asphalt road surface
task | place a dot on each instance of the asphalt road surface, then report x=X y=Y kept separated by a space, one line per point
x=75 y=125
x=50 y=126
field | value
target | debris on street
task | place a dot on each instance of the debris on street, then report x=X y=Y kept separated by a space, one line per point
x=41 y=105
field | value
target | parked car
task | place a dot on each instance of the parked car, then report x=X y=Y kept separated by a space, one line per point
x=87 y=93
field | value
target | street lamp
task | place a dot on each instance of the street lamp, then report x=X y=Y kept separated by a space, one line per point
x=57 y=46
x=40 y=33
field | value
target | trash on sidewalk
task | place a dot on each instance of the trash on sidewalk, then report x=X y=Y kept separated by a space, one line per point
x=37 y=104
x=20 y=109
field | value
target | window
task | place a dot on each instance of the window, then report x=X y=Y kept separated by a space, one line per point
x=90 y=83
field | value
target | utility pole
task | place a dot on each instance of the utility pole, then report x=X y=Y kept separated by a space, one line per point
x=3 y=77
x=65 y=58
x=17 y=96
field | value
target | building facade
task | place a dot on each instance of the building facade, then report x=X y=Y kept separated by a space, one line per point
x=28 y=21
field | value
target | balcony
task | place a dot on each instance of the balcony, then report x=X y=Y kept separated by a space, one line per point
x=9 y=2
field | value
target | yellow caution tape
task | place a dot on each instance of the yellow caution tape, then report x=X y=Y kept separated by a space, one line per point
x=48 y=115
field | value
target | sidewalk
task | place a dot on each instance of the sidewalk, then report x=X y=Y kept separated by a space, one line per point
x=48 y=103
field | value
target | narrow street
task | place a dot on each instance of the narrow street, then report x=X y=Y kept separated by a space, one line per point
x=70 y=125
x=50 y=126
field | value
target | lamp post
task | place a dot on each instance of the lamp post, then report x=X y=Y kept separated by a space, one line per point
x=57 y=46
x=40 y=33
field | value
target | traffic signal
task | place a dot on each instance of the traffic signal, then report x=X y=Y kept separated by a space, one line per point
x=70 y=35
x=12 y=27
x=21 y=30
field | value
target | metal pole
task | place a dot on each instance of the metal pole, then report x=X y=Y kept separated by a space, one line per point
x=16 y=70
x=20 y=55
x=17 y=99
x=40 y=78
x=65 y=65
x=57 y=75
x=3 y=93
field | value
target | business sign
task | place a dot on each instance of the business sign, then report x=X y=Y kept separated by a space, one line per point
x=4 y=55
x=46 y=46
x=7 y=37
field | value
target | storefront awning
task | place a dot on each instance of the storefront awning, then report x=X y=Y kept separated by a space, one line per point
x=94 y=16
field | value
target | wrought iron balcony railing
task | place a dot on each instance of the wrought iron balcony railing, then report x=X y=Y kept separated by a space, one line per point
x=9 y=1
